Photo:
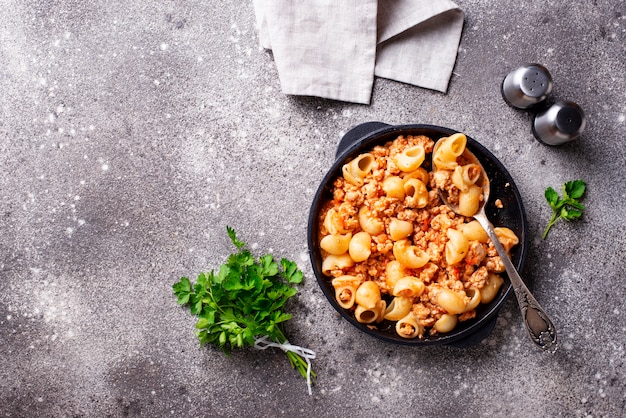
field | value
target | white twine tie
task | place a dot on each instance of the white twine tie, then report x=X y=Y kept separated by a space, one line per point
x=307 y=354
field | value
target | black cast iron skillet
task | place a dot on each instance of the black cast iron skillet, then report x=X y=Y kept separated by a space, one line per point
x=361 y=139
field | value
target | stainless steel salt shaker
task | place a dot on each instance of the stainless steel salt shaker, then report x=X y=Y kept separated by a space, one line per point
x=527 y=86
x=560 y=123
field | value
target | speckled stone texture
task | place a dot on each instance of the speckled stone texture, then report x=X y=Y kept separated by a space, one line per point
x=132 y=133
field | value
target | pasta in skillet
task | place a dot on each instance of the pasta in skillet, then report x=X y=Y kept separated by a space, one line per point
x=448 y=150
x=394 y=252
x=355 y=171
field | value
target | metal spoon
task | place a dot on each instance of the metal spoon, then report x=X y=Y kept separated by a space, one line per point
x=539 y=326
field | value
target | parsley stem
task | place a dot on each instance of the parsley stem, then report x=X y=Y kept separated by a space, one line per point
x=553 y=220
x=297 y=362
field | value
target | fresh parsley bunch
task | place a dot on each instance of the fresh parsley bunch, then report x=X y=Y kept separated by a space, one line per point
x=243 y=301
x=568 y=208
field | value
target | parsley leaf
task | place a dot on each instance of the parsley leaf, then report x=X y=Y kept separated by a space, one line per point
x=292 y=274
x=568 y=208
x=183 y=290
x=233 y=238
x=243 y=301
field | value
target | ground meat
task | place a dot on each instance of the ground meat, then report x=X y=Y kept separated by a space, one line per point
x=372 y=190
x=340 y=194
x=420 y=311
x=491 y=250
x=407 y=215
x=494 y=264
x=467 y=315
x=476 y=253
x=435 y=250
x=441 y=222
x=383 y=243
x=345 y=295
x=419 y=239
x=428 y=272
x=349 y=216
x=434 y=198
x=440 y=179
x=478 y=279
x=354 y=197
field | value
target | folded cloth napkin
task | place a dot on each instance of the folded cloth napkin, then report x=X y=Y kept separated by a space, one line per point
x=333 y=49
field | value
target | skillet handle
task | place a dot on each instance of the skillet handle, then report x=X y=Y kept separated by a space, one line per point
x=356 y=134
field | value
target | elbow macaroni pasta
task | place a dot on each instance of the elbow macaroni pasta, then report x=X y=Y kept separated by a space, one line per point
x=370 y=223
x=469 y=200
x=409 y=326
x=356 y=170
x=336 y=244
x=368 y=294
x=394 y=187
x=474 y=232
x=399 y=229
x=359 y=246
x=448 y=150
x=465 y=175
x=345 y=290
x=333 y=223
x=416 y=193
x=395 y=253
x=408 y=287
x=507 y=237
x=394 y=271
x=446 y=323
x=398 y=308
x=456 y=247
x=409 y=255
x=334 y=262
x=411 y=158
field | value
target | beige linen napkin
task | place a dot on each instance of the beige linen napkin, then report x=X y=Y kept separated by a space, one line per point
x=334 y=48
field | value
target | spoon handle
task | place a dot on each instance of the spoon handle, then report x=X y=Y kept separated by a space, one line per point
x=539 y=326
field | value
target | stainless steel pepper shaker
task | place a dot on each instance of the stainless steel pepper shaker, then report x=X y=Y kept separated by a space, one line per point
x=527 y=86
x=562 y=122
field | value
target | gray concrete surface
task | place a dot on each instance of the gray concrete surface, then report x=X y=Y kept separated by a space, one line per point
x=133 y=132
